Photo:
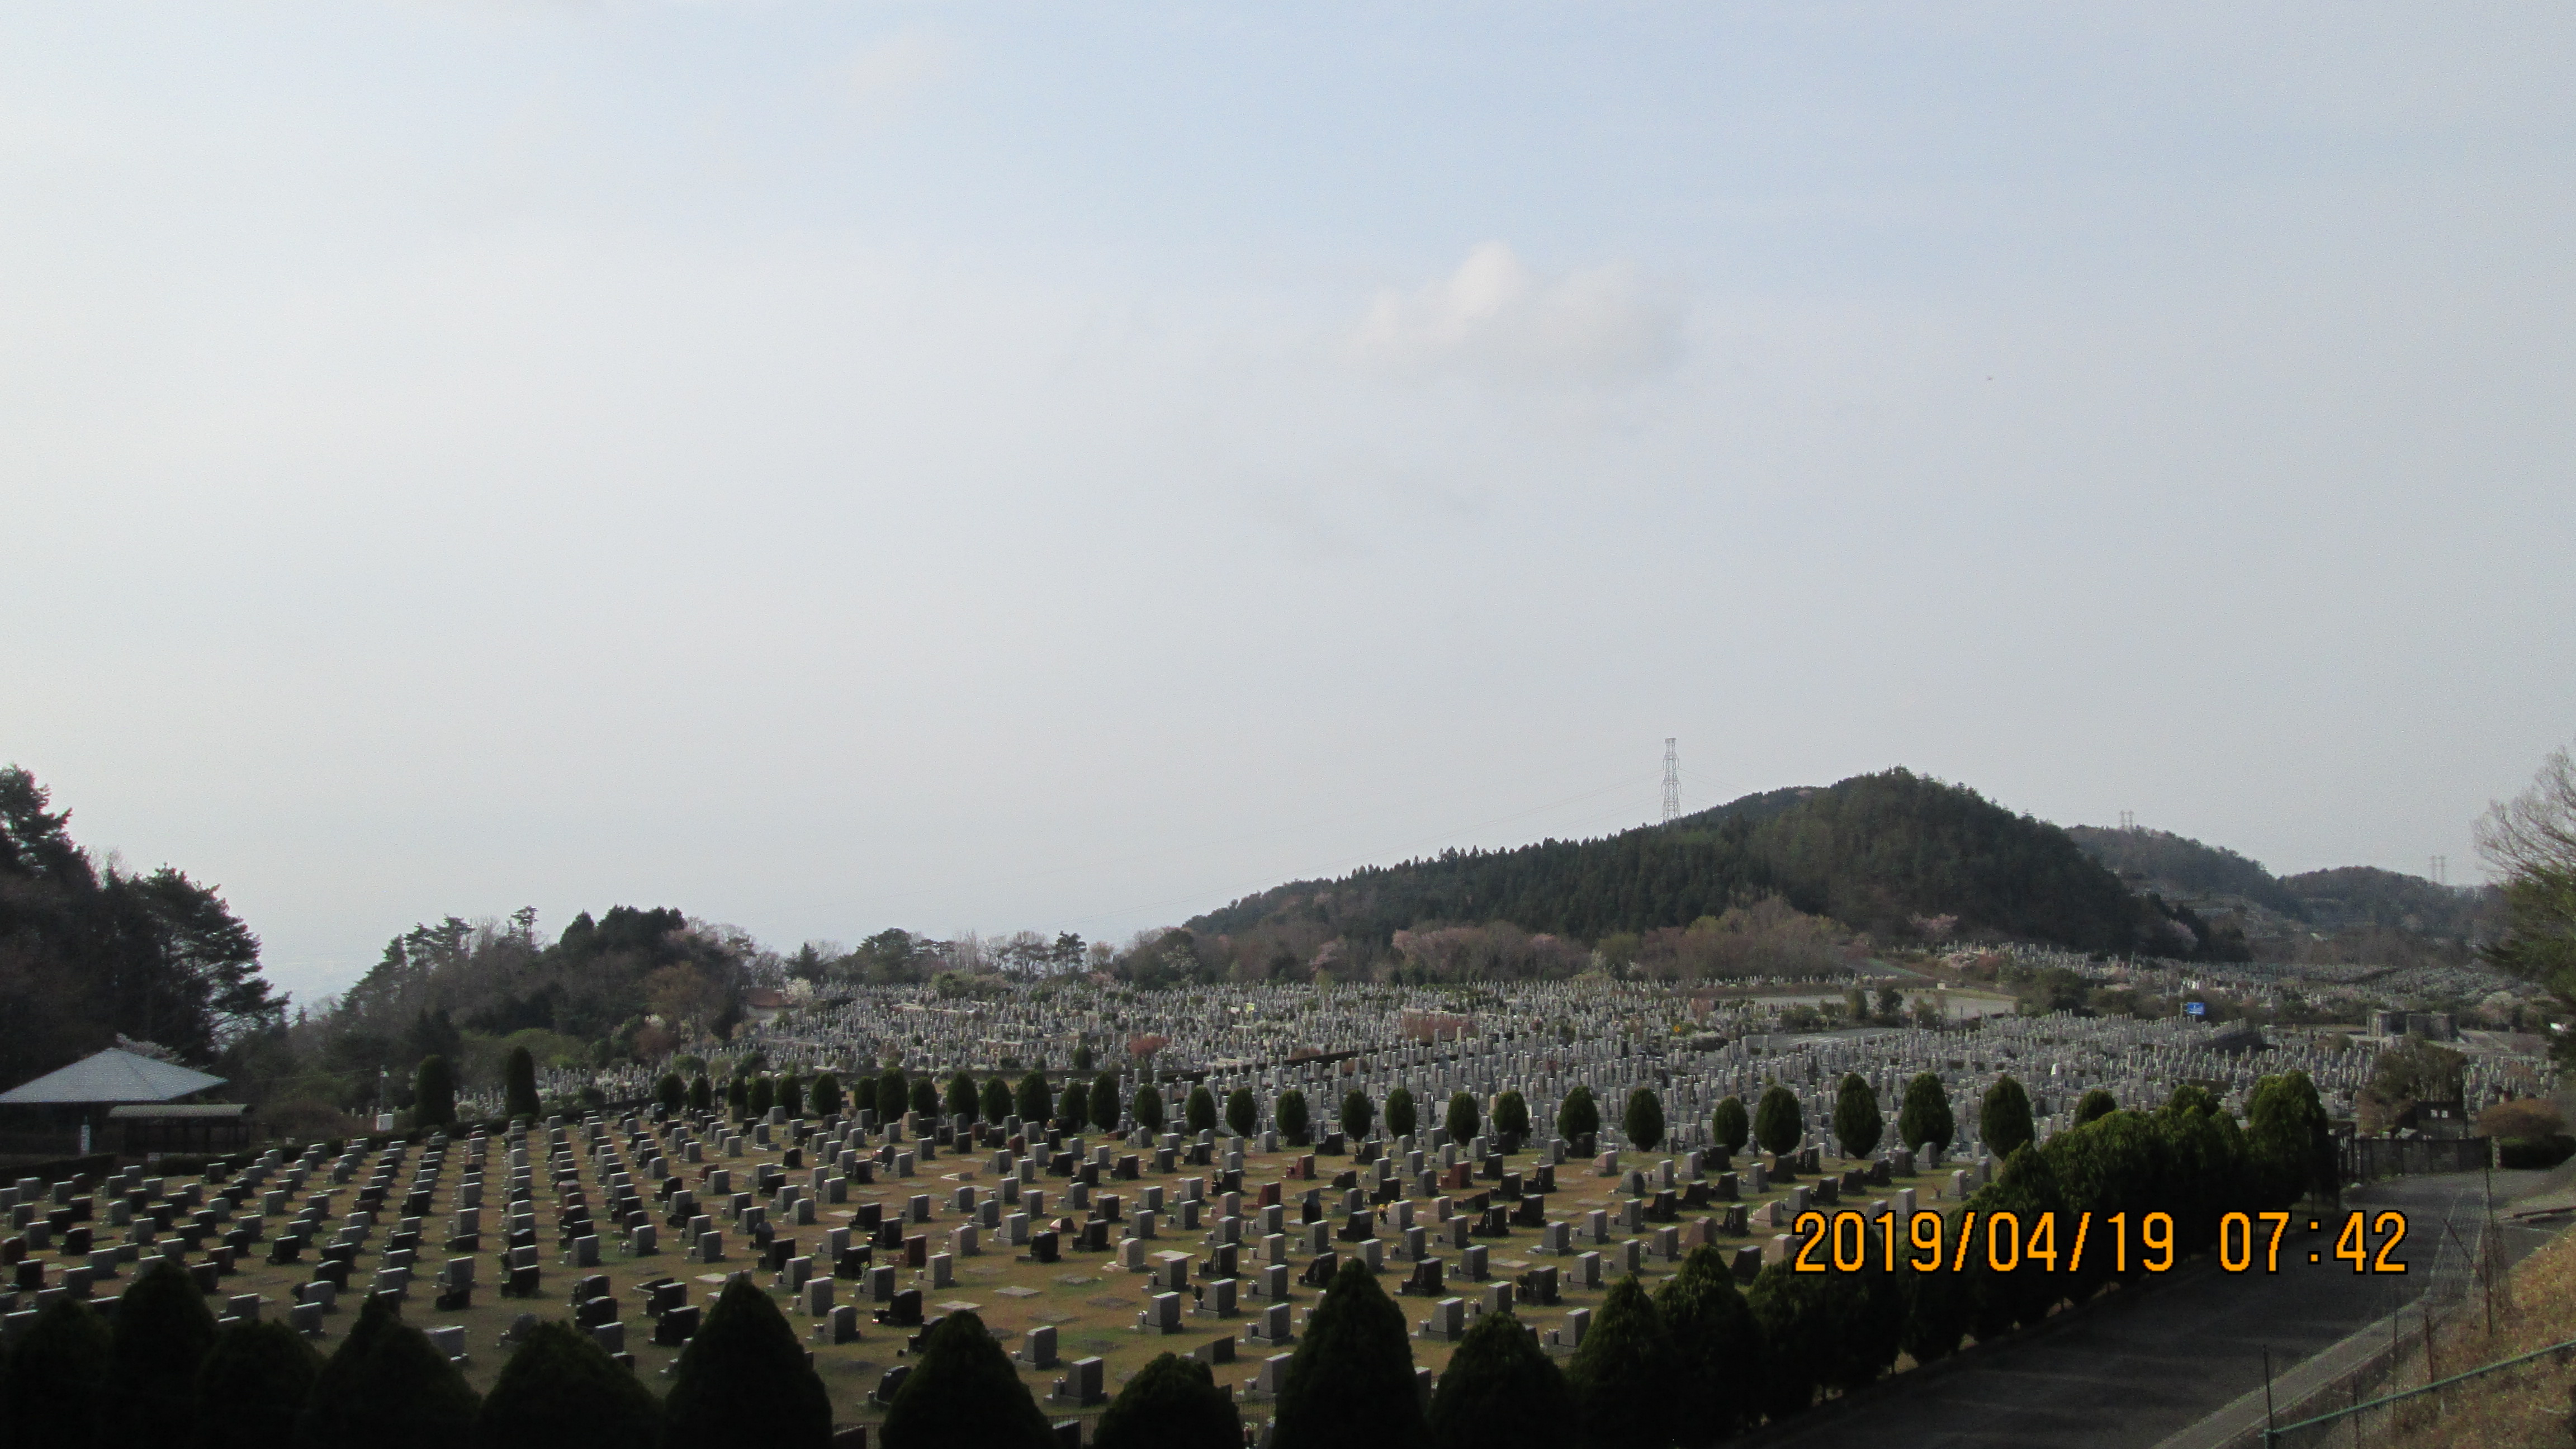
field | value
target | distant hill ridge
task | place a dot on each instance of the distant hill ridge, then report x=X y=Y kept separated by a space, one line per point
x=1874 y=852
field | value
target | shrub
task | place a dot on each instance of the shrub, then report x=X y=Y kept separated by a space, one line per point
x=2095 y=1105
x=1643 y=1122
x=1399 y=1112
x=1200 y=1110
x=1350 y=1382
x=1578 y=1116
x=1171 y=1403
x=963 y=1394
x=57 y=1374
x=1242 y=1111
x=388 y=1387
x=1501 y=1391
x=827 y=1095
x=963 y=1100
x=2003 y=1119
x=1293 y=1123
x=1149 y=1107
x=1034 y=1100
x=1623 y=1374
x=702 y=1093
x=997 y=1099
x=791 y=1094
x=1856 y=1121
x=252 y=1385
x=1461 y=1119
x=1355 y=1114
x=1778 y=1122
x=1511 y=1115
x=2535 y=1152
x=1717 y=1348
x=744 y=1380
x=1925 y=1115
x=519 y=1085
x=670 y=1093
x=1073 y=1108
x=161 y=1337
x=561 y=1390
x=433 y=1092
x=1730 y=1125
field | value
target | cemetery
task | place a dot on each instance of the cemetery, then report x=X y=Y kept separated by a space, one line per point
x=1523 y=1155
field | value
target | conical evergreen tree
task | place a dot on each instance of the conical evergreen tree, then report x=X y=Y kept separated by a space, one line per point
x=764 y=1094
x=1149 y=1107
x=670 y=1093
x=1201 y=1108
x=1462 y=1118
x=57 y=1375
x=997 y=1100
x=1729 y=1124
x=561 y=1390
x=1643 y=1123
x=702 y=1094
x=925 y=1097
x=1171 y=1403
x=1716 y=1345
x=1356 y=1113
x=744 y=1380
x=1925 y=1117
x=1105 y=1105
x=334 y=1414
x=1511 y=1115
x=963 y=1100
x=1293 y=1121
x=1578 y=1115
x=433 y=1093
x=162 y=1332
x=791 y=1094
x=1857 y=1125
x=2095 y=1105
x=387 y=1387
x=1623 y=1374
x=1033 y=1103
x=1778 y=1124
x=252 y=1386
x=827 y=1096
x=1350 y=1383
x=2003 y=1119
x=1501 y=1391
x=963 y=1393
x=519 y=1085
x=1242 y=1111
x=1074 y=1107
x=894 y=1096
x=1399 y=1111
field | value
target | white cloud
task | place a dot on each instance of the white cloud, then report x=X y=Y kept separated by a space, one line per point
x=1494 y=318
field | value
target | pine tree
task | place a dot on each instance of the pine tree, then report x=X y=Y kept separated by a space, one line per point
x=1075 y=1106
x=1461 y=1120
x=2003 y=1120
x=1399 y=1112
x=702 y=1094
x=1171 y=1403
x=764 y=1095
x=433 y=1093
x=1925 y=1117
x=894 y=1096
x=251 y=1387
x=561 y=1390
x=1778 y=1123
x=827 y=1095
x=1622 y=1375
x=791 y=1094
x=925 y=1097
x=1202 y=1109
x=962 y=1393
x=1355 y=1114
x=1578 y=1116
x=997 y=1099
x=1716 y=1345
x=1857 y=1125
x=738 y=1099
x=1035 y=1101
x=1501 y=1391
x=519 y=1086
x=1149 y=1107
x=1293 y=1122
x=57 y=1378
x=2095 y=1105
x=1729 y=1125
x=1643 y=1123
x=670 y=1093
x=744 y=1380
x=962 y=1098
x=1242 y=1111
x=161 y=1336
x=1104 y=1106
x=1350 y=1383
x=1511 y=1116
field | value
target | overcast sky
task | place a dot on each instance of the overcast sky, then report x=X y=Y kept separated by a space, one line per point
x=965 y=467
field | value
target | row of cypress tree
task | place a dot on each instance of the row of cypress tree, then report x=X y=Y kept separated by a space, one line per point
x=162 y=1373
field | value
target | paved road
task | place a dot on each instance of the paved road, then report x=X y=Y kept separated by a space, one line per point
x=2129 y=1374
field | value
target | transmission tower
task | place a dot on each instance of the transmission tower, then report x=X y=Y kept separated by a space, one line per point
x=2128 y=820
x=1672 y=783
x=2441 y=870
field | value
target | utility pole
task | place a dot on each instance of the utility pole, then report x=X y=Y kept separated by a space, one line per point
x=1672 y=782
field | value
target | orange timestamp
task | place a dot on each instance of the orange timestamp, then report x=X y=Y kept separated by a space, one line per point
x=2011 y=1242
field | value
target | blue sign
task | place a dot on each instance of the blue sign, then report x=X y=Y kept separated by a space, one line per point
x=2195 y=1008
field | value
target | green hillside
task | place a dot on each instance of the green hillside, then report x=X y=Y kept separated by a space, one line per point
x=1874 y=852
x=2162 y=860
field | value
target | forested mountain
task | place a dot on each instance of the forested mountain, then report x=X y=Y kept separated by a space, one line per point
x=2364 y=895
x=89 y=952
x=1894 y=854
x=2162 y=860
